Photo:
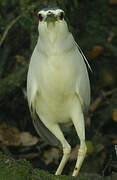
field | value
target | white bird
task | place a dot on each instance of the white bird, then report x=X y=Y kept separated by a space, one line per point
x=58 y=87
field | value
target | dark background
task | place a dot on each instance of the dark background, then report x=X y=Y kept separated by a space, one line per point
x=94 y=25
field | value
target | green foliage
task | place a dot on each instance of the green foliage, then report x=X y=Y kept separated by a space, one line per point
x=3 y=3
x=21 y=169
x=14 y=170
x=26 y=21
x=8 y=2
x=25 y=2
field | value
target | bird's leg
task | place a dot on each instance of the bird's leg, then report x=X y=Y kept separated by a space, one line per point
x=66 y=154
x=55 y=129
x=78 y=121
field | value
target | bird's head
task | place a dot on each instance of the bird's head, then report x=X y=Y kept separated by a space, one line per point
x=51 y=15
x=51 y=22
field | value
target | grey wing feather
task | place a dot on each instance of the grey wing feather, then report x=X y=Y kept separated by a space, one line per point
x=41 y=129
x=83 y=84
x=43 y=132
x=32 y=93
x=83 y=56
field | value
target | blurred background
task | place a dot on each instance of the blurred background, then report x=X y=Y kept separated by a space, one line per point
x=94 y=26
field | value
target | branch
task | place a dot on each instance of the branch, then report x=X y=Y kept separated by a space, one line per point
x=8 y=28
x=14 y=21
x=99 y=99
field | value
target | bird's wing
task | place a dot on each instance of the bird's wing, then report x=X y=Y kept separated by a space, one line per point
x=32 y=95
x=83 y=56
x=83 y=84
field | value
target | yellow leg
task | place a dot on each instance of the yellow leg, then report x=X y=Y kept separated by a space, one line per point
x=55 y=129
x=78 y=121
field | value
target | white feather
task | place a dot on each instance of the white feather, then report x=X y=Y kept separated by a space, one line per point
x=57 y=74
x=58 y=86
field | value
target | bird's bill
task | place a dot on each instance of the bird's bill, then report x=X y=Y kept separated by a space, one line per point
x=51 y=18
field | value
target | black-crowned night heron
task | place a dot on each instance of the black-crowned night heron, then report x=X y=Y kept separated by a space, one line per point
x=58 y=86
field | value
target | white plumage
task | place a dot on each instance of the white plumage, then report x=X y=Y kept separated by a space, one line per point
x=58 y=86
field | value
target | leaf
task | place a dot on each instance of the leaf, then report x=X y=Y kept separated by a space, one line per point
x=90 y=147
x=20 y=59
x=94 y=52
x=27 y=139
x=99 y=147
x=110 y=38
x=11 y=136
x=114 y=115
x=112 y=1
x=114 y=141
x=51 y=155
x=74 y=153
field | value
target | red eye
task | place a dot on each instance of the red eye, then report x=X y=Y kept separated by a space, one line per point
x=61 y=16
x=40 y=17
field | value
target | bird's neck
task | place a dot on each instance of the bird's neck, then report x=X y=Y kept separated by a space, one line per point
x=52 y=33
x=55 y=39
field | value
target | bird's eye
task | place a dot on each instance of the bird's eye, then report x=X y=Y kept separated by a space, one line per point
x=40 y=17
x=61 y=16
